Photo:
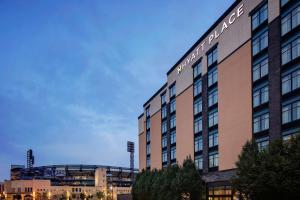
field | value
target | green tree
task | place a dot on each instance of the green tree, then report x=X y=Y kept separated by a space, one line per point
x=171 y=183
x=100 y=195
x=273 y=173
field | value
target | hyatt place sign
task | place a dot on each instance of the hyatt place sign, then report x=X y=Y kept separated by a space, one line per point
x=215 y=34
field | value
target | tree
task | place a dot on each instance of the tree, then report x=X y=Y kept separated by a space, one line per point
x=273 y=173
x=172 y=183
x=100 y=195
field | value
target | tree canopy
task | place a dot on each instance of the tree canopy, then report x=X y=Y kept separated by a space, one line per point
x=273 y=173
x=172 y=183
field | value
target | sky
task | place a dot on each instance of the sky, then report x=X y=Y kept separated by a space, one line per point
x=74 y=74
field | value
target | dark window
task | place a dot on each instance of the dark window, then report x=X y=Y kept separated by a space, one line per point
x=173 y=137
x=198 y=144
x=213 y=139
x=291 y=112
x=197 y=106
x=148 y=124
x=260 y=96
x=213 y=159
x=260 y=16
x=260 y=43
x=197 y=70
x=164 y=142
x=148 y=136
x=197 y=87
x=173 y=122
x=261 y=69
x=290 y=51
x=148 y=149
x=172 y=105
x=262 y=143
x=198 y=125
x=164 y=112
x=212 y=57
x=212 y=76
x=173 y=153
x=261 y=122
x=148 y=162
x=163 y=98
x=213 y=118
x=164 y=127
x=199 y=162
x=212 y=97
x=290 y=20
x=283 y=2
x=290 y=81
x=173 y=90
x=148 y=112
x=164 y=156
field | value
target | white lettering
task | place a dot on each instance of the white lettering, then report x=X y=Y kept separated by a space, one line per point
x=202 y=45
x=232 y=18
x=224 y=27
x=240 y=10
x=210 y=39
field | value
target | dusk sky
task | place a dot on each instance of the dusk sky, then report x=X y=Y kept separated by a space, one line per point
x=74 y=74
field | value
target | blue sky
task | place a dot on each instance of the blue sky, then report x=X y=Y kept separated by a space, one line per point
x=74 y=74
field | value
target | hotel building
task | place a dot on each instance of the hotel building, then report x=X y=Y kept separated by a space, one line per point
x=240 y=80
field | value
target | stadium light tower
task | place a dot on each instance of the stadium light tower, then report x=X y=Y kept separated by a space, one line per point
x=30 y=159
x=130 y=149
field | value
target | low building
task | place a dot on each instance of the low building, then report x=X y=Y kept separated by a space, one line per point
x=68 y=182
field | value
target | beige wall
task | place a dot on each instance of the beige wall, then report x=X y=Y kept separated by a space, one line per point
x=235 y=111
x=142 y=151
x=274 y=9
x=155 y=136
x=184 y=126
x=155 y=103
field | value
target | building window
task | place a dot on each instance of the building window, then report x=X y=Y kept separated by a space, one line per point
x=164 y=127
x=164 y=156
x=148 y=136
x=163 y=98
x=262 y=143
x=212 y=57
x=289 y=134
x=260 y=96
x=173 y=137
x=197 y=70
x=197 y=106
x=164 y=142
x=213 y=139
x=198 y=144
x=261 y=69
x=261 y=123
x=148 y=149
x=213 y=159
x=148 y=124
x=290 y=21
x=291 y=81
x=173 y=122
x=213 y=97
x=291 y=112
x=290 y=51
x=173 y=153
x=172 y=106
x=198 y=125
x=260 y=16
x=148 y=112
x=260 y=43
x=148 y=163
x=197 y=87
x=199 y=162
x=212 y=76
x=173 y=91
x=283 y=2
x=164 y=112
x=213 y=118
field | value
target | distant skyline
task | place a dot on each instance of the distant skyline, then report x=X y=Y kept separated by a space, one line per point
x=75 y=74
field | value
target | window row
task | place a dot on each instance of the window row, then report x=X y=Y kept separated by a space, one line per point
x=164 y=156
x=260 y=16
x=291 y=112
x=260 y=43
x=172 y=121
x=290 y=51
x=148 y=136
x=173 y=137
x=172 y=106
x=148 y=112
x=163 y=98
x=173 y=153
x=290 y=21
x=212 y=57
x=290 y=81
x=197 y=87
x=197 y=106
x=212 y=98
x=213 y=118
x=148 y=124
x=172 y=90
x=260 y=96
x=261 y=123
x=262 y=143
x=164 y=112
x=198 y=144
x=164 y=142
x=213 y=160
x=199 y=162
x=212 y=76
x=148 y=162
x=198 y=125
x=213 y=139
x=148 y=149
x=261 y=69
